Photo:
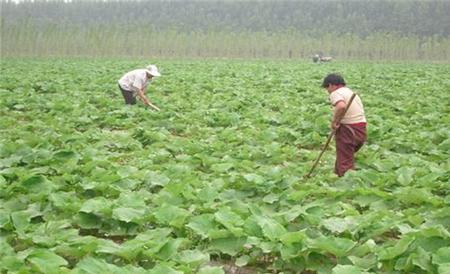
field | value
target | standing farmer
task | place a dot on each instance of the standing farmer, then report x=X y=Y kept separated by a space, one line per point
x=350 y=127
x=135 y=82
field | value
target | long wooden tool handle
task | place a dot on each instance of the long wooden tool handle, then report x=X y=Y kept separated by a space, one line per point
x=329 y=138
x=153 y=106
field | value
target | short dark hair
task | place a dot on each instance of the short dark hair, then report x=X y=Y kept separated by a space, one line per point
x=333 y=79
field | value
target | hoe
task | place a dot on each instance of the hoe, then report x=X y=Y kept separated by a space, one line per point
x=329 y=138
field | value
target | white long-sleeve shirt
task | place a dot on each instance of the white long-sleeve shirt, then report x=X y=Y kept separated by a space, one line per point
x=134 y=80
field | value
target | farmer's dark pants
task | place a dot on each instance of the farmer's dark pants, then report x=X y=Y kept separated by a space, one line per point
x=349 y=139
x=128 y=96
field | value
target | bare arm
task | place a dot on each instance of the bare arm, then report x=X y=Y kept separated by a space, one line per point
x=339 y=112
x=141 y=94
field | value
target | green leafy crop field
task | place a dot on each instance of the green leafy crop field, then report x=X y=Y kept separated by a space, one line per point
x=213 y=183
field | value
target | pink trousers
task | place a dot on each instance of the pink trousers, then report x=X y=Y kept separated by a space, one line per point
x=349 y=139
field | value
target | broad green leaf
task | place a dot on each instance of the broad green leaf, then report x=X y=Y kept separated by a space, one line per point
x=99 y=206
x=402 y=264
x=107 y=246
x=337 y=246
x=222 y=167
x=169 y=250
x=20 y=220
x=135 y=199
x=293 y=237
x=162 y=269
x=202 y=224
x=230 y=245
x=88 y=220
x=53 y=232
x=242 y=261
x=148 y=243
x=400 y=247
x=254 y=178
x=289 y=252
x=444 y=269
x=365 y=248
x=293 y=213
x=128 y=214
x=77 y=247
x=405 y=175
x=416 y=196
x=219 y=233
x=268 y=247
x=365 y=263
x=154 y=179
x=126 y=184
x=65 y=155
x=208 y=194
x=339 y=225
x=252 y=228
x=11 y=264
x=422 y=259
x=126 y=171
x=435 y=231
x=171 y=215
x=67 y=201
x=46 y=261
x=442 y=256
x=319 y=263
x=192 y=257
x=346 y=269
x=271 y=198
x=297 y=195
x=432 y=244
x=37 y=184
x=6 y=248
x=230 y=220
x=211 y=270
x=271 y=228
x=90 y=265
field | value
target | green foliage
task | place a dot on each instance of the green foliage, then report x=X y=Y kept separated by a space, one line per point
x=215 y=180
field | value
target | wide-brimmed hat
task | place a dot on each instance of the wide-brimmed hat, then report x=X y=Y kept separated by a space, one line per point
x=153 y=70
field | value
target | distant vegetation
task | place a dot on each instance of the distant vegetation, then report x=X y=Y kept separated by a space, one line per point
x=401 y=30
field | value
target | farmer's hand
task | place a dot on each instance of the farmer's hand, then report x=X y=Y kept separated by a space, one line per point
x=335 y=125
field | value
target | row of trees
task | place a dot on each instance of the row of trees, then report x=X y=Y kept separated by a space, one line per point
x=118 y=41
x=362 y=17
x=375 y=29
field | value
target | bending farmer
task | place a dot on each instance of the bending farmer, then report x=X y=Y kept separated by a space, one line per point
x=350 y=128
x=135 y=82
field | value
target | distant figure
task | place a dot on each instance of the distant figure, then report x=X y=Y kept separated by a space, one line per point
x=320 y=58
x=316 y=58
x=135 y=82
x=326 y=59
x=350 y=126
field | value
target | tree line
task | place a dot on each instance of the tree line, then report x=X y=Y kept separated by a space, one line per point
x=375 y=29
